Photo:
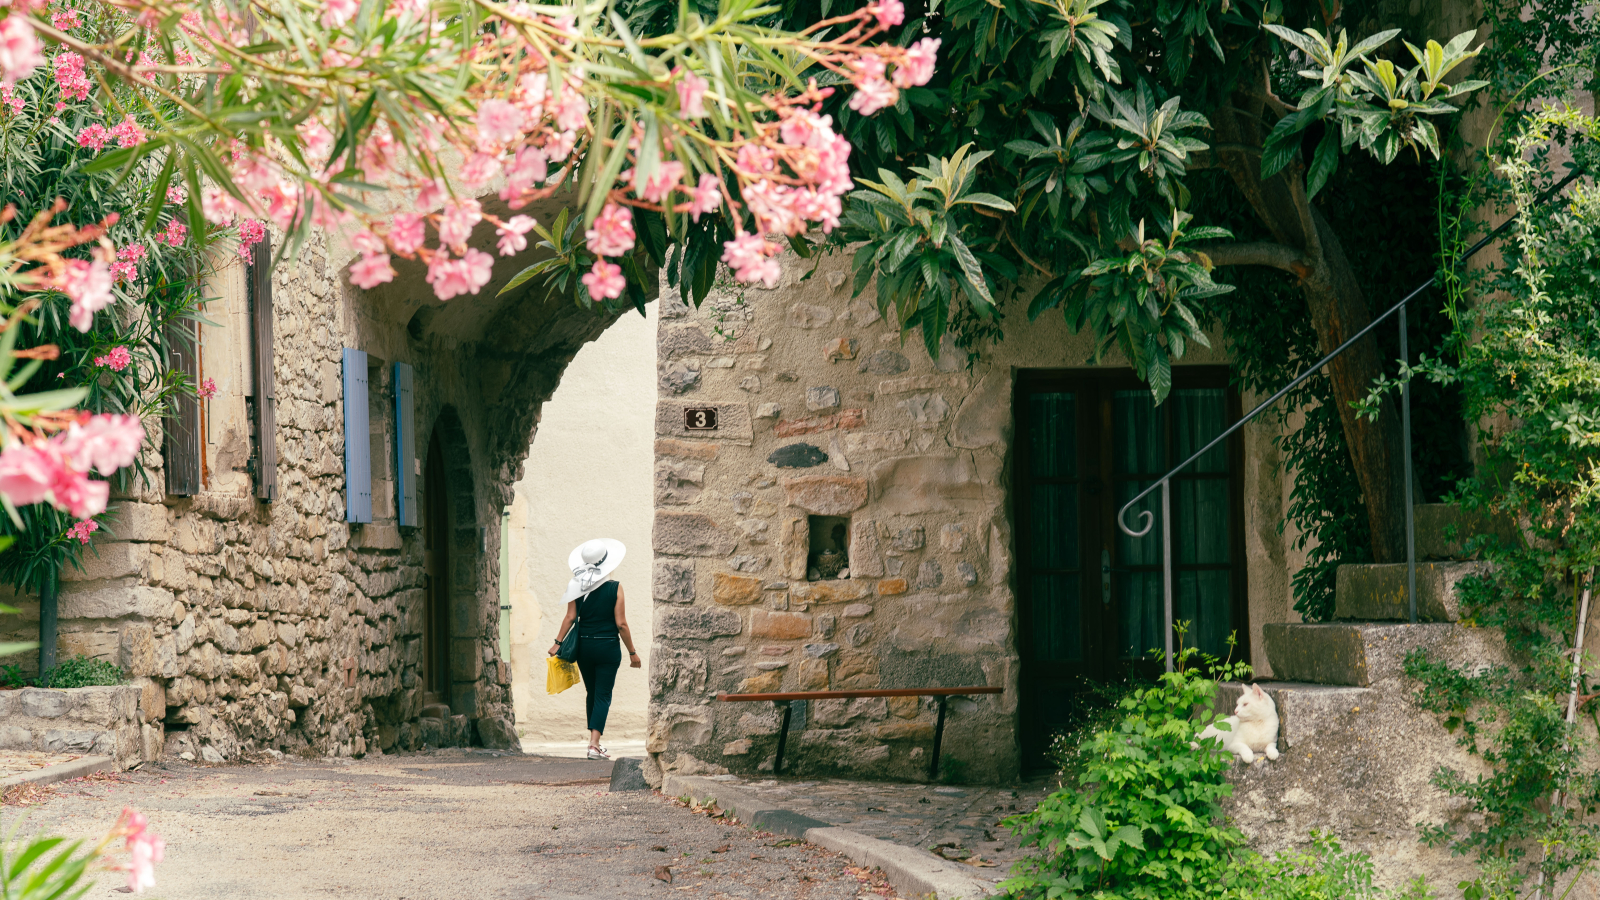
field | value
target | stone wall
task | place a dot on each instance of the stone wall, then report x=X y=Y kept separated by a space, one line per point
x=103 y=721
x=826 y=419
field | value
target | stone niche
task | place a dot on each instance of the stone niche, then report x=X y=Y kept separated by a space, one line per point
x=829 y=548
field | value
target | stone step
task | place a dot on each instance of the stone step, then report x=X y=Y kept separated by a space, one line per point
x=1361 y=654
x=1443 y=529
x=1377 y=591
x=1304 y=710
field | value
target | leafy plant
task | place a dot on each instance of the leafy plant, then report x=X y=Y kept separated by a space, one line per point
x=46 y=867
x=1144 y=819
x=11 y=675
x=83 y=671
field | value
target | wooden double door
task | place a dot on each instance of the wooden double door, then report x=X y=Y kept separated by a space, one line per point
x=1090 y=596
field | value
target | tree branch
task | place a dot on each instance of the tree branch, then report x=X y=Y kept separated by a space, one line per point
x=1263 y=253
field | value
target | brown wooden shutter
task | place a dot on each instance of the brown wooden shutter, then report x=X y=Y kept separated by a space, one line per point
x=266 y=411
x=181 y=444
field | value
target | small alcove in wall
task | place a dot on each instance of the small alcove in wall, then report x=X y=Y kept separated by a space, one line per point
x=829 y=551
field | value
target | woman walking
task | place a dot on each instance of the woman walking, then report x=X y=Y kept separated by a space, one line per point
x=595 y=604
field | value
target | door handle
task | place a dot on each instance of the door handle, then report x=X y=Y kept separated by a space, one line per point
x=1105 y=576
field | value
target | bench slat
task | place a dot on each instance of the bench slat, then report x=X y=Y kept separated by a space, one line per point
x=848 y=695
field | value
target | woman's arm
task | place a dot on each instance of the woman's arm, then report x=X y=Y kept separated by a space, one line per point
x=627 y=633
x=566 y=623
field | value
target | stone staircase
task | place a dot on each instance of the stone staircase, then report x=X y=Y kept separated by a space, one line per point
x=1357 y=753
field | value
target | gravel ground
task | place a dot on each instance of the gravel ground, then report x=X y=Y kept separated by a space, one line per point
x=442 y=825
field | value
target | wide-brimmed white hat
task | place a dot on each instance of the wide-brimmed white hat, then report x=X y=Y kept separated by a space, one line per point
x=591 y=562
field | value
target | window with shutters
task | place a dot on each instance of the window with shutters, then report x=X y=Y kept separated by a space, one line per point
x=357 y=438
x=180 y=447
x=380 y=463
x=263 y=400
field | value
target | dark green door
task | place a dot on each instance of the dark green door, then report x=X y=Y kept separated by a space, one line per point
x=1090 y=596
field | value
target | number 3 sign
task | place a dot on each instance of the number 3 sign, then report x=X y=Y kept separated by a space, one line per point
x=700 y=419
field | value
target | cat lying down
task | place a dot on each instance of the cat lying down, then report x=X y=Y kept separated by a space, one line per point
x=1254 y=725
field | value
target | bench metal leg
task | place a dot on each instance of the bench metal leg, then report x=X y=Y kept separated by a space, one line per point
x=783 y=736
x=938 y=739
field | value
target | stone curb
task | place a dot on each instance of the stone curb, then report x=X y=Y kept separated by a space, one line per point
x=913 y=872
x=78 y=768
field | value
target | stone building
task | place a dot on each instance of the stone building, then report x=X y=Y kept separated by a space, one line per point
x=313 y=563
x=963 y=501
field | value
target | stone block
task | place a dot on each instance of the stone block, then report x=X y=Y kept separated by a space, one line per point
x=890 y=587
x=681 y=379
x=903 y=707
x=984 y=416
x=884 y=362
x=152 y=699
x=794 y=539
x=762 y=682
x=812 y=675
x=685 y=449
x=733 y=421
x=1360 y=654
x=876 y=441
x=1443 y=530
x=735 y=590
x=844 y=419
x=909 y=539
x=679 y=483
x=1369 y=592
x=830 y=591
x=682 y=340
x=496 y=732
x=431 y=732
x=689 y=534
x=697 y=623
x=112 y=559
x=953 y=538
x=138 y=522
x=858 y=610
x=807 y=315
x=736 y=748
x=115 y=601
x=822 y=398
x=798 y=456
x=678 y=725
x=137 y=654
x=40 y=703
x=855 y=669
x=858 y=635
x=782 y=626
x=672 y=669
x=825 y=495
x=840 y=348
x=673 y=581
x=925 y=410
x=904 y=731
x=910 y=485
x=820 y=651
x=929 y=575
x=866 y=555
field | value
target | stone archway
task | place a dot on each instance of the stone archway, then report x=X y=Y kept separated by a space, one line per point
x=452 y=536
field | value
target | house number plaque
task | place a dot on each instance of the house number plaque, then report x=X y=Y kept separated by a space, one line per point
x=700 y=419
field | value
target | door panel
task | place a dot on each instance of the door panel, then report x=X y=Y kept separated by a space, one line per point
x=1090 y=604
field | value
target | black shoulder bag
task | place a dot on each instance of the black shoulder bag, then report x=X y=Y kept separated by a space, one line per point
x=568 y=651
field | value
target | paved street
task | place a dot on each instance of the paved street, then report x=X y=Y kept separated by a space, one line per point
x=446 y=825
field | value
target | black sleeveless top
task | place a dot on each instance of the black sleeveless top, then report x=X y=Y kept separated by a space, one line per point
x=597 y=613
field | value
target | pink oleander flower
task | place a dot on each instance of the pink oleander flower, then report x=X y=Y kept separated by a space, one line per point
x=661 y=186
x=82 y=530
x=132 y=253
x=315 y=138
x=605 y=281
x=415 y=9
x=175 y=234
x=207 y=389
x=457 y=221
x=95 y=137
x=124 y=271
x=479 y=267
x=372 y=270
x=431 y=195
x=478 y=170
x=498 y=122
x=873 y=94
x=175 y=194
x=530 y=168
x=917 y=67
x=65 y=21
x=74 y=82
x=377 y=156
x=889 y=13
x=452 y=277
x=78 y=494
x=104 y=443
x=19 y=49
x=251 y=231
x=612 y=232
x=116 y=359
x=215 y=204
x=750 y=257
x=805 y=128
x=337 y=12
x=707 y=196
x=145 y=849
x=10 y=100
x=511 y=234
x=691 y=95
x=26 y=473
x=128 y=133
x=755 y=160
x=88 y=285
x=367 y=243
x=406 y=234
x=572 y=111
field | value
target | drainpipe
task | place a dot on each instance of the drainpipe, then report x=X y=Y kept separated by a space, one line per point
x=48 y=614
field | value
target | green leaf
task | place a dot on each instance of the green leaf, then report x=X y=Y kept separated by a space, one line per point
x=1323 y=163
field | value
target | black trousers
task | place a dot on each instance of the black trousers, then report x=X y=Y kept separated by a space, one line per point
x=598 y=661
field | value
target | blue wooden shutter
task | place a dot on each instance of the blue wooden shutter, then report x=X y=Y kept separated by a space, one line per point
x=405 y=482
x=261 y=361
x=357 y=442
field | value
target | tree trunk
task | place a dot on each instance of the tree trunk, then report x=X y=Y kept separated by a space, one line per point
x=1338 y=310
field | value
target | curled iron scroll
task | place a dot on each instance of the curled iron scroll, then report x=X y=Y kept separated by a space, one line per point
x=1147 y=517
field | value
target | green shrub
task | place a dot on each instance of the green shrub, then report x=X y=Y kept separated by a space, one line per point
x=81 y=671
x=11 y=676
x=1144 y=821
x=1325 y=871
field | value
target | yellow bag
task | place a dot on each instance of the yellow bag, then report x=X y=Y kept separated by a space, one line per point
x=561 y=675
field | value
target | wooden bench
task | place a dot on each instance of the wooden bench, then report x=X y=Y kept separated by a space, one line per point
x=783 y=700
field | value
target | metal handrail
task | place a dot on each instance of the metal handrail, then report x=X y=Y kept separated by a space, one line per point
x=1147 y=518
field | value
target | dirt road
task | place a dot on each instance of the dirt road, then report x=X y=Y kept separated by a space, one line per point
x=432 y=826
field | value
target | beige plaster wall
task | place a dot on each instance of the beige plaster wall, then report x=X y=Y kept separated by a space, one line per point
x=587 y=475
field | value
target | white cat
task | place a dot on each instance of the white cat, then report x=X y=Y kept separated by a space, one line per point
x=1254 y=724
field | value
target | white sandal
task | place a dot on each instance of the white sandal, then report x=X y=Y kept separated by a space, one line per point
x=598 y=753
